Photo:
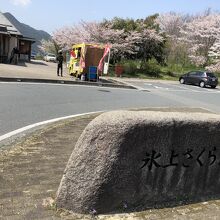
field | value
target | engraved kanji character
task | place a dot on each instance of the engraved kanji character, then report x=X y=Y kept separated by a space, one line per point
x=150 y=160
x=172 y=157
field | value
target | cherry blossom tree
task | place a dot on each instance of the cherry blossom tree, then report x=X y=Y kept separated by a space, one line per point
x=198 y=34
x=123 y=43
x=214 y=67
x=65 y=37
x=202 y=33
x=91 y=32
x=48 y=46
x=139 y=37
x=171 y=23
x=214 y=55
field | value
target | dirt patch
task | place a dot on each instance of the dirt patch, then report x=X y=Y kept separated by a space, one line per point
x=30 y=171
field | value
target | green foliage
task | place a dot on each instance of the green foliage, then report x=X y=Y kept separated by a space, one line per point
x=152 y=50
x=126 y=24
x=173 y=71
x=149 y=22
x=130 y=24
x=130 y=67
x=139 y=39
x=151 y=68
x=136 y=68
x=117 y=23
x=176 y=53
x=111 y=70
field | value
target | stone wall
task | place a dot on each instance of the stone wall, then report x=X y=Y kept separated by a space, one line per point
x=127 y=160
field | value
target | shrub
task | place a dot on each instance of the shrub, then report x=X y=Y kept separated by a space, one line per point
x=170 y=73
x=151 y=68
x=130 y=67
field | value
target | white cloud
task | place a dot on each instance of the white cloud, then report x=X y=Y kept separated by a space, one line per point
x=21 y=2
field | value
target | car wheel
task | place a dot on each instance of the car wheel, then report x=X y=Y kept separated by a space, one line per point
x=213 y=87
x=202 y=84
x=182 y=81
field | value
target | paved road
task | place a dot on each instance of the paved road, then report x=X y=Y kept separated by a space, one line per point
x=23 y=104
x=166 y=86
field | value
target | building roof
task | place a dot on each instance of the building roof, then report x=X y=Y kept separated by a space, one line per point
x=28 y=39
x=5 y=23
x=3 y=30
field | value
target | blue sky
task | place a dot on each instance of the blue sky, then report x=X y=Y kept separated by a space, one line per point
x=49 y=15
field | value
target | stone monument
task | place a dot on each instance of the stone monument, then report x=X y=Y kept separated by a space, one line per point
x=133 y=160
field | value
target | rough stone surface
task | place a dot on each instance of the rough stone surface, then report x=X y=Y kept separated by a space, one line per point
x=129 y=161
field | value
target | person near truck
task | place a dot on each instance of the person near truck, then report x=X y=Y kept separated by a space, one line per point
x=60 y=64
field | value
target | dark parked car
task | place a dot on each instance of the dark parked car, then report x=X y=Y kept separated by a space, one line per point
x=199 y=78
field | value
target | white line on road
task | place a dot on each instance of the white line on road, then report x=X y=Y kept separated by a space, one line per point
x=20 y=130
x=159 y=87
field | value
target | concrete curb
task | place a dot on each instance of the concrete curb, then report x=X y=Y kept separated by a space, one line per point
x=55 y=81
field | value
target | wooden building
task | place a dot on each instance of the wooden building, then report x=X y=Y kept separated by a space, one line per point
x=24 y=45
x=4 y=44
x=11 y=37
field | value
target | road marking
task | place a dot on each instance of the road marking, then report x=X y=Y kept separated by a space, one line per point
x=20 y=130
x=159 y=87
x=185 y=88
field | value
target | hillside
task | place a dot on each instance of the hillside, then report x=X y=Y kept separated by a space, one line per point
x=28 y=31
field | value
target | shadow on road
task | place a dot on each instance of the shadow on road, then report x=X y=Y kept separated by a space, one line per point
x=24 y=63
x=38 y=63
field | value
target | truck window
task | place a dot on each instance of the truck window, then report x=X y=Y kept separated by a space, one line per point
x=79 y=52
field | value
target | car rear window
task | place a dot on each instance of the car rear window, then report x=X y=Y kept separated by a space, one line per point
x=210 y=74
x=199 y=73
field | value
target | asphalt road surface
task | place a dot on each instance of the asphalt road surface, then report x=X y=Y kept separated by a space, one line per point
x=23 y=104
